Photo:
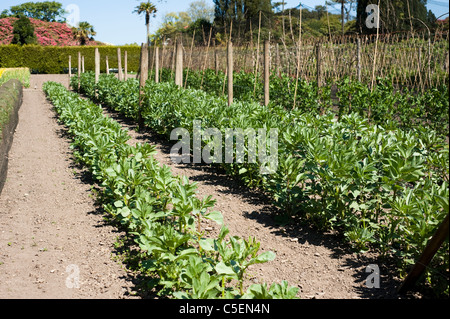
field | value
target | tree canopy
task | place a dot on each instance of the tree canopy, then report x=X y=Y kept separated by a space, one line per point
x=242 y=16
x=49 y=11
x=84 y=32
x=278 y=22
x=396 y=15
x=23 y=32
x=147 y=9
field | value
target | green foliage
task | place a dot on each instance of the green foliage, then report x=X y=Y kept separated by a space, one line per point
x=245 y=89
x=398 y=16
x=380 y=186
x=83 y=32
x=159 y=209
x=50 y=11
x=388 y=107
x=23 y=32
x=21 y=74
x=55 y=60
x=146 y=8
x=391 y=108
x=275 y=291
x=10 y=95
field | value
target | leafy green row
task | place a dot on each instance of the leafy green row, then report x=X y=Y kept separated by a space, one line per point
x=161 y=211
x=21 y=74
x=247 y=88
x=381 y=189
x=393 y=109
x=10 y=95
x=389 y=107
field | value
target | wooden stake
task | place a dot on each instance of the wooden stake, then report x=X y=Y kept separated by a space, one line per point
x=358 y=55
x=142 y=79
x=190 y=59
x=119 y=64
x=163 y=58
x=107 y=65
x=70 y=66
x=79 y=70
x=173 y=58
x=430 y=250
x=82 y=64
x=296 y=77
x=144 y=65
x=216 y=57
x=157 y=64
x=447 y=63
x=278 y=61
x=179 y=64
x=266 y=72
x=257 y=55
x=151 y=59
x=97 y=65
x=228 y=68
x=125 y=73
x=230 y=72
x=375 y=57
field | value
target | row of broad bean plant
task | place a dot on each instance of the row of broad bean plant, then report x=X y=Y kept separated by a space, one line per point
x=380 y=188
x=161 y=211
x=388 y=106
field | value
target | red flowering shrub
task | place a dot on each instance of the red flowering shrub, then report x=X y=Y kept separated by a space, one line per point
x=47 y=33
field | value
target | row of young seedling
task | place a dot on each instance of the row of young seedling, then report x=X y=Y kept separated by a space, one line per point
x=161 y=211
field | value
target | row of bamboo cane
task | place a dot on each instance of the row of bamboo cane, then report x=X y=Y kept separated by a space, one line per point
x=414 y=61
x=417 y=61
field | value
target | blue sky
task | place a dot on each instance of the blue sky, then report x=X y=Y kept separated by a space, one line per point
x=115 y=23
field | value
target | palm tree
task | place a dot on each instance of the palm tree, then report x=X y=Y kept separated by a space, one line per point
x=146 y=8
x=83 y=32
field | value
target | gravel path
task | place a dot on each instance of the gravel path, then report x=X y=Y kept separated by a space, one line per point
x=52 y=239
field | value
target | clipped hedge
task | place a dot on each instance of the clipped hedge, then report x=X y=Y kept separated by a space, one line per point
x=55 y=60
x=21 y=74
x=10 y=101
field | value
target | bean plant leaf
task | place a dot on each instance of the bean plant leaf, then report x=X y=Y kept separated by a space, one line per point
x=215 y=216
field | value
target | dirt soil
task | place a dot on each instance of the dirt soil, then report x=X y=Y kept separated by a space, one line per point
x=56 y=243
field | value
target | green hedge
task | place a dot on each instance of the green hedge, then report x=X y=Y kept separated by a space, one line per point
x=55 y=60
x=10 y=95
x=21 y=74
x=10 y=101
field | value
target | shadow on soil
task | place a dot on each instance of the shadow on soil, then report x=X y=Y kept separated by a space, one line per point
x=294 y=229
x=266 y=216
x=125 y=250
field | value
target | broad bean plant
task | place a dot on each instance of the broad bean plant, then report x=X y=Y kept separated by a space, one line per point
x=383 y=188
x=161 y=211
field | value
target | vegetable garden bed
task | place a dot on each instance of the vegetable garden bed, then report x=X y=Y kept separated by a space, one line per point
x=383 y=189
x=161 y=211
x=10 y=101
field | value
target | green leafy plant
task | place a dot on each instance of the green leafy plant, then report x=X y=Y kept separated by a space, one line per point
x=346 y=174
x=159 y=210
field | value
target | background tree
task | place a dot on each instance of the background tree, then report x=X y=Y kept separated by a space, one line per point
x=196 y=19
x=146 y=8
x=396 y=15
x=201 y=10
x=172 y=24
x=49 y=11
x=243 y=14
x=84 y=32
x=5 y=14
x=346 y=7
x=23 y=32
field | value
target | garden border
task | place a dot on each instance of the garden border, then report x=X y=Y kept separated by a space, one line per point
x=14 y=90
